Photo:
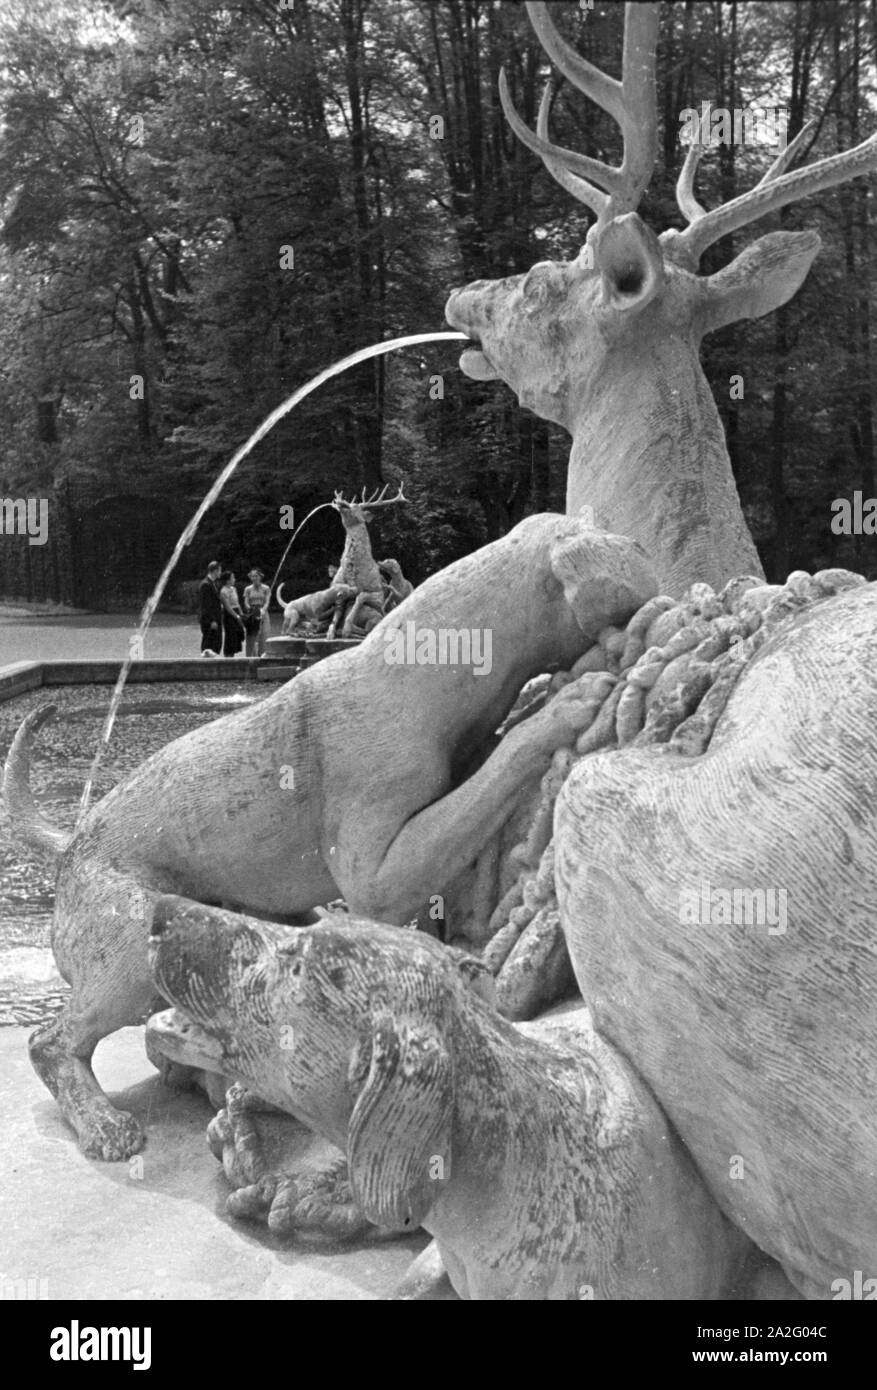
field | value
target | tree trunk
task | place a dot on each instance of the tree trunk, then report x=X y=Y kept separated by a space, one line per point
x=805 y=45
x=366 y=380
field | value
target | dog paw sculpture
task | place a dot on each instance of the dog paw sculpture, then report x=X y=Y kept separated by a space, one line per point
x=298 y=1202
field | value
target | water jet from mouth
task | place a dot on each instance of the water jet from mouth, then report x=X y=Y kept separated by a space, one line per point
x=353 y=360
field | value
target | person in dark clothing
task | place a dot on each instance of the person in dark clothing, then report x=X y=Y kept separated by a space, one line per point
x=233 y=627
x=211 y=611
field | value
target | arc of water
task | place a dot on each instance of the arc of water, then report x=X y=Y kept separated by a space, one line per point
x=288 y=547
x=361 y=355
x=298 y=528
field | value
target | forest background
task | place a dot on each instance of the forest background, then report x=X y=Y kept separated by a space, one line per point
x=203 y=204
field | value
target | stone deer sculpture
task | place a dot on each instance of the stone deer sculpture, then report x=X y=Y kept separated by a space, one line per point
x=358 y=568
x=356 y=596
x=607 y=344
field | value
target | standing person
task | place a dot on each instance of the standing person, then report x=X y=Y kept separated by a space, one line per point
x=210 y=609
x=232 y=617
x=257 y=596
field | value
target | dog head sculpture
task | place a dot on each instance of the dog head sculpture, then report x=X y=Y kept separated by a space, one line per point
x=307 y=1018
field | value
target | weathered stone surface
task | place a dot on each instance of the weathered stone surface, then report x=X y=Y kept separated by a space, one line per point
x=758 y=1040
x=672 y=694
x=299 y=801
x=534 y=1155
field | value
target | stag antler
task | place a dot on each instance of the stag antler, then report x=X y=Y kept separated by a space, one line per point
x=689 y=206
x=774 y=190
x=631 y=102
x=377 y=499
x=610 y=192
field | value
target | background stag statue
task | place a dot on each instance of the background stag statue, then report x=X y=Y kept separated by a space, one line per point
x=358 y=595
x=358 y=568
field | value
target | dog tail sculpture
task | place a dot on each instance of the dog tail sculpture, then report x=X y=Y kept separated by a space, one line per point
x=28 y=825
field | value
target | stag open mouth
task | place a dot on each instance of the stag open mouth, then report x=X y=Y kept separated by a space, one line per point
x=475 y=363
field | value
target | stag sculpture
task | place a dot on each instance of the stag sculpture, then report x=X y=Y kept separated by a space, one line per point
x=607 y=344
x=356 y=599
x=358 y=568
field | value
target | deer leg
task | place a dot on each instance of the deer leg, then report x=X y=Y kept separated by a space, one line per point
x=337 y=614
x=351 y=615
x=362 y=601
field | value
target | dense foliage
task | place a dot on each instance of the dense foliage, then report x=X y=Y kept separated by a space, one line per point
x=216 y=200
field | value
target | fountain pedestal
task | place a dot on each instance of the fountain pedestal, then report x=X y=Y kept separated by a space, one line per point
x=299 y=652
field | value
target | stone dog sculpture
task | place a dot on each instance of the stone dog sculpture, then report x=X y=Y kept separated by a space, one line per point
x=534 y=1154
x=313 y=610
x=752 y=1020
x=268 y=811
x=399 y=587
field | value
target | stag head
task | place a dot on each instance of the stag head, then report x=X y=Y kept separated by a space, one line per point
x=606 y=344
x=360 y=510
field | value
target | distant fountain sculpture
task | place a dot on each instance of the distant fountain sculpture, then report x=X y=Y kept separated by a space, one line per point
x=397 y=585
x=359 y=594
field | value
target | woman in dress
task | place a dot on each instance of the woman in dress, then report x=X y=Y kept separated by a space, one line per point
x=232 y=618
x=256 y=598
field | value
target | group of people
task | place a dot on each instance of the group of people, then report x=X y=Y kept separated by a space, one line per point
x=226 y=627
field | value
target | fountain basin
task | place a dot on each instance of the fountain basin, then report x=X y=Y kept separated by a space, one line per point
x=22 y=676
